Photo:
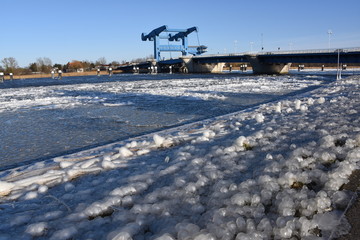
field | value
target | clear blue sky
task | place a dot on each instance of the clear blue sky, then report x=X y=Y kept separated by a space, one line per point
x=87 y=29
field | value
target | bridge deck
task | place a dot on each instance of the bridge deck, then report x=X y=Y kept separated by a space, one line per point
x=350 y=55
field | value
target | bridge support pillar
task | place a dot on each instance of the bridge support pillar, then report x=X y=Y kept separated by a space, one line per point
x=268 y=68
x=195 y=67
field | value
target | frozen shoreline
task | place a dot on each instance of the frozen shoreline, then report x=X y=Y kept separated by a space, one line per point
x=272 y=171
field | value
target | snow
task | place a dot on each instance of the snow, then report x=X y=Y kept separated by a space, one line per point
x=273 y=171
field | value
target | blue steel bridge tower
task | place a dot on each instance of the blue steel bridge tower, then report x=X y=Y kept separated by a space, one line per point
x=174 y=35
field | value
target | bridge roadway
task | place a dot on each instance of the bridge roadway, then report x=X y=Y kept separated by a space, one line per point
x=262 y=62
x=350 y=55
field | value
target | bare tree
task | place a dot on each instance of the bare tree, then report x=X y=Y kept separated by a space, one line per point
x=101 y=61
x=44 y=64
x=10 y=64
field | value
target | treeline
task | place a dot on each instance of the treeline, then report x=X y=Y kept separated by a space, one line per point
x=44 y=65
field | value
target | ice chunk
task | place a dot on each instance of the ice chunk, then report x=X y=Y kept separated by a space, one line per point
x=327 y=221
x=37 y=229
x=278 y=107
x=205 y=236
x=341 y=199
x=265 y=226
x=126 y=233
x=241 y=142
x=328 y=141
x=5 y=188
x=132 y=144
x=321 y=100
x=286 y=232
x=107 y=165
x=89 y=163
x=241 y=224
x=43 y=189
x=303 y=108
x=143 y=152
x=125 y=152
x=158 y=140
x=165 y=236
x=241 y=199
x=310 y=101
x=259 y=118
x=65 y=164
x=186 y=230
x=30 y=195
x=64 y=234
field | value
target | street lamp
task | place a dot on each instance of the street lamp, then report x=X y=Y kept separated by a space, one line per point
x=251 y=46
x=329 y=33
x=290 y=46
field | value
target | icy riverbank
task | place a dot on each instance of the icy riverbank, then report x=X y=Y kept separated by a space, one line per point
x=270 y=172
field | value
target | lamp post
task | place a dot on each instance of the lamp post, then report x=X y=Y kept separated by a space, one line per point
x=329 y=32
x=251 y=46
x=338 y=72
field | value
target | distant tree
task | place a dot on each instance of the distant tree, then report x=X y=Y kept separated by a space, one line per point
x=44 y=65
x=10 y=65
x=87 y=65
x=139 y=60
x=24 y=71
x=33 y=67
x=101 y=61
x=58 y=66
x=115 y=63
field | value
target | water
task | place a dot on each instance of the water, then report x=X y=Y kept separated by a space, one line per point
x=43 y=118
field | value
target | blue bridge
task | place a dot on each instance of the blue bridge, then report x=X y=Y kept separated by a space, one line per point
x=192 y=60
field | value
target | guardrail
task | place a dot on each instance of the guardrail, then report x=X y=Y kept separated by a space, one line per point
x=329 y=50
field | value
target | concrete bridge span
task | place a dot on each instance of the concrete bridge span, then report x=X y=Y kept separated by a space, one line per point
x=262 y=62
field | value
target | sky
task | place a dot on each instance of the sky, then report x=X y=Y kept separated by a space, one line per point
x=88 y=30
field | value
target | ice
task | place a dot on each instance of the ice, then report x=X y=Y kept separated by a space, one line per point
x=278 y=107
x=321 y=100
x=231 y=177
x=5 y=188
x=107 y=165
x=259 y=118
x=37 y=229
x=125 y=152
x=158 y=140
x=64 y=234
x=31 y=195
x=43 y=189
x=341 y=199
x=166 y=236
x=241 y=199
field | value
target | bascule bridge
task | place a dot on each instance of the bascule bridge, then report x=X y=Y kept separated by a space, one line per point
x=171 y=35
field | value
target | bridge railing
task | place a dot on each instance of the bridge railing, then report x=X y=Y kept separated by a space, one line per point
x=329 y=50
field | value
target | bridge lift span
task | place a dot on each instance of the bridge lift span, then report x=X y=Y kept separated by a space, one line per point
x=179 y=34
